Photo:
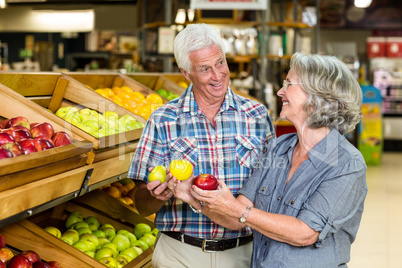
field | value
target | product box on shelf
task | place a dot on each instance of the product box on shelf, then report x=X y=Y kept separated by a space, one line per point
x=54 y=91
x=376 y=47
x=394 y=47
x=30 y=233
x=22 y=177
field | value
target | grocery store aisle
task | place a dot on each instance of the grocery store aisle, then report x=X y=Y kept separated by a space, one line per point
x=379 y=239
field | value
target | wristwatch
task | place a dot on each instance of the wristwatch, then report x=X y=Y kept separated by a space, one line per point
x=243 y=217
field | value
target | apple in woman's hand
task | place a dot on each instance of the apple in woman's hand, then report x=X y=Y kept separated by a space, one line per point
x=206 y=182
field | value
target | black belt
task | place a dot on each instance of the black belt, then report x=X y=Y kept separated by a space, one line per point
x=210 y=245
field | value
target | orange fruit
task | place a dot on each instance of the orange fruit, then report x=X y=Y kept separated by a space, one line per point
x=121 y=199
x=117 y=90
x=123 y=190
x=138 y=95
x=128 y=200
x=112 y=191
x=109 y=92
x=117 y=184
x=154 y=98
x=144 y=111
x=126 y=89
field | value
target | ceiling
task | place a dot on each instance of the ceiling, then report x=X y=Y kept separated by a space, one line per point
x=41 y=2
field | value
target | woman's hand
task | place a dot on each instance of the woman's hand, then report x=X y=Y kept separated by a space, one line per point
x=218 y=201
x=181 y=189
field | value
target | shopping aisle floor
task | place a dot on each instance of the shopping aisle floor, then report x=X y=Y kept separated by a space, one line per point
x=379 y=239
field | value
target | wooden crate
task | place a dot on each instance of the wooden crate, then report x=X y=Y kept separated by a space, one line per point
x=53 y=90
x=23 y=169
x=28 y=234
x=157 y=81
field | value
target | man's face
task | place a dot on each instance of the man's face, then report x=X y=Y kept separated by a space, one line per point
x=209 y=73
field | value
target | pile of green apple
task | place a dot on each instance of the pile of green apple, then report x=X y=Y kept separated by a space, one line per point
x=113 y=248
x=167 y=94
x=97 y=124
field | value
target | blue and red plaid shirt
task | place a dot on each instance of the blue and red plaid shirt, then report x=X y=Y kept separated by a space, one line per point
x=229 y=149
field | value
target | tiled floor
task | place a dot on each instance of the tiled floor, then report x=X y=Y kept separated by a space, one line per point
x=379 y=239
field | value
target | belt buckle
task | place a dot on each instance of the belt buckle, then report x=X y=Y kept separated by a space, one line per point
x=204 y=243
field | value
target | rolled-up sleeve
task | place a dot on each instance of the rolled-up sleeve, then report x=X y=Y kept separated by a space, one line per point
x=336 y=201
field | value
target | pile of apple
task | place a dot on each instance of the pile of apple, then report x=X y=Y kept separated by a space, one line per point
x=97 y=124
x=113 y=248
x=122 y=190
x=25 y=259
x=167 y=94
x=18 y=137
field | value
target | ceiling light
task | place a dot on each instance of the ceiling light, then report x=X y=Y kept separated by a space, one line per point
x=181 y=16
x=3 y=4
x=362 y=3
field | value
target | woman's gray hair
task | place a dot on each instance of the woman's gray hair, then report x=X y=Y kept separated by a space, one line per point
x=335 y=96
x=194 y=37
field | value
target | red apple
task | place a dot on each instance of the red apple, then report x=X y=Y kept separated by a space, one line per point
x=14 y=148
x=19 y=261
x=2 y=265
x=40 y=264
x=4 y=153
x=18 y=120
x=5 y=255
x=54 y=264
x=19 y=127
x=43 y=129
x=61 y=138
x=2 y=241
x=9 y=131
x=45 y=143
x=31 y=255
x=28 y=146
x=21 y=134
x=6 y=138
x=32 y=125
x=4 y=123
x=206 y=182
x=37 y=144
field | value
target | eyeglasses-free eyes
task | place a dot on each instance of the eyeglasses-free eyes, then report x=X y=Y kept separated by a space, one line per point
x=286 y=84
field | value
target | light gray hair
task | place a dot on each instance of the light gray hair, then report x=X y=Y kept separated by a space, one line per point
x=335 y=96
x=194 y=37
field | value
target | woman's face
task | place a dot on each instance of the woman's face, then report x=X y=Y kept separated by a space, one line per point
x=209 y=73
x=293 y=99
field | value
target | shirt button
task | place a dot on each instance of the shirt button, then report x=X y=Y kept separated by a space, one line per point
x=266 y=243
x=292 y=202
x=279 y=198
x=263 y=189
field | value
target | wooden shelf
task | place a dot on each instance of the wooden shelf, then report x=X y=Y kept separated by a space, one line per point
x=289 y=24
x=276 y=57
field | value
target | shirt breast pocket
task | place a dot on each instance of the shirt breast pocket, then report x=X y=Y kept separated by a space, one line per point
x=263 y=198
x=247 y=150
x=184 y=148
x=293 y=206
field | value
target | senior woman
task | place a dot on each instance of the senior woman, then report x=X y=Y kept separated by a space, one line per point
x=305 y=198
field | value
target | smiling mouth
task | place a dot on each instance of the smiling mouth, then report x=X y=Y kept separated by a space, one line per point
x=285 y=103
x=217 y=85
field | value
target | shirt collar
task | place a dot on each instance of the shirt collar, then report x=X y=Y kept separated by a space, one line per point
x=187 y=101
x=322 y=151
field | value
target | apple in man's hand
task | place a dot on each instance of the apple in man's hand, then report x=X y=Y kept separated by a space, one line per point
x=206 y=182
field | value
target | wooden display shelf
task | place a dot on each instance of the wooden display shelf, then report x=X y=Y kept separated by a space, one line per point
x=157 y=81
x=29 y=234
x=52 y=91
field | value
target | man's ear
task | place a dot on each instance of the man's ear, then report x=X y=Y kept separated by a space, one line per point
x=185 y=73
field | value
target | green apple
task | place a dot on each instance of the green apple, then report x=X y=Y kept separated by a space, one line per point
x=130 y=236
x=92 y=220
x=112 y=246
x=81 y=245
x=73 y=118
x=158 y=173
x=90 y=112
x=132 y=252
x=122 y=260
x=85 y=117
x=53 y=230
x=102 y=241
x=122 y=242
x=109 y=262
x=73 y=234
x=133 y=125
x=108 y=229
x=99 y=233
x=91 y=240
x=90 y=253
x=79 y=224
x=110 y=114
x=149 y=239
x=84 y=230
x=155 y=232
x=63 y=111
x=162 y=92
x=141 y=244
x=141 y=228
x=67 y=239
x=91 y=124
x=73 y=218
x=103 y=253
x=138 y=249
